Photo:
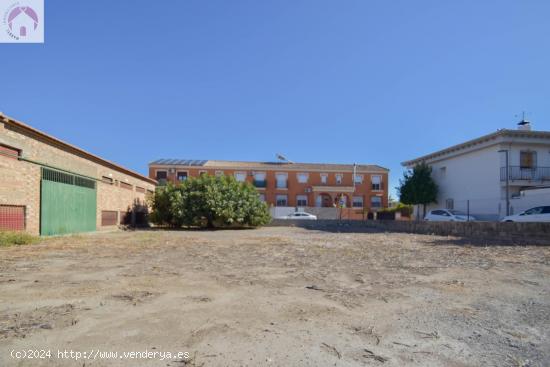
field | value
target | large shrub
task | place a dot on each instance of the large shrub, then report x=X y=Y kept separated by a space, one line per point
x=209 y=201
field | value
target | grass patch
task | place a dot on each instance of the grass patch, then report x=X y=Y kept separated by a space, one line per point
x=16 y=238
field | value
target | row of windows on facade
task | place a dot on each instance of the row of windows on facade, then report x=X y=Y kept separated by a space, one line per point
x=124 y=185
x=301 y=200
x=281 y=178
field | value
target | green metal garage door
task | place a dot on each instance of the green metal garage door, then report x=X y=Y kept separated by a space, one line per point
x=67 y=203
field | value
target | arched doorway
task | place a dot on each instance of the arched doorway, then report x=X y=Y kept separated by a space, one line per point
x=323 y=200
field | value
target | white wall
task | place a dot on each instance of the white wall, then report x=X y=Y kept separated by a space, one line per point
x=473 y=176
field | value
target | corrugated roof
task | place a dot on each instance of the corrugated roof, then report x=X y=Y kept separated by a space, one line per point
x=73 y=149
x=268 y=165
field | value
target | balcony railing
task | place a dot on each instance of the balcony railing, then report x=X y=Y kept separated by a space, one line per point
x=527 y=174
x=260 y=183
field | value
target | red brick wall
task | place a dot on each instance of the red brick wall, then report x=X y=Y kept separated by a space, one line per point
x=294 y=187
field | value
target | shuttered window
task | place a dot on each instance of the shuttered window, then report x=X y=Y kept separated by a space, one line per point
x=126 y=186
x=9 y=152
x=12 y=218
x=108 y=218
x=528 y=159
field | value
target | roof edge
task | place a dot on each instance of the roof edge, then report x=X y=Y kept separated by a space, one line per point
x=72 y=148
x=155 y=163
x=476 y=141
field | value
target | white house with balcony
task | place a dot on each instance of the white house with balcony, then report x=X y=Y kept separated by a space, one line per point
x=489 y=177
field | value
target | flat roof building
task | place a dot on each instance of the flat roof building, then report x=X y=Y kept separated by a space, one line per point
x=288 y=184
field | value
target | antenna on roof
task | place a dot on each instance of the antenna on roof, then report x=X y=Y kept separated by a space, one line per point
x=524 y=124
x=282 y=158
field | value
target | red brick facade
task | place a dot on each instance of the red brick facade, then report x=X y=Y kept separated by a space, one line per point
x=372 y=191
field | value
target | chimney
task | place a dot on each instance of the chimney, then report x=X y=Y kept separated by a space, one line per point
x=524 y=125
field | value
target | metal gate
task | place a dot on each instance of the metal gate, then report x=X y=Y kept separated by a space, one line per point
x=68 y=203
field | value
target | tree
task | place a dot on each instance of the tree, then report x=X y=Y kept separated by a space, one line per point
x=418 y=187
x=209 y=201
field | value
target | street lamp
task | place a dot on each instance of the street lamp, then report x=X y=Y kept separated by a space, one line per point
x=507 y=182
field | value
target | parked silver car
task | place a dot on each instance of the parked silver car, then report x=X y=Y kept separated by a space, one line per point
x=448 y=215
x=299 y=215
x=537 y=214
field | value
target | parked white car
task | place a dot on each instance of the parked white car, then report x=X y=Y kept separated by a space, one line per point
x=448 y=215
x=299 y=215
x=537 y=214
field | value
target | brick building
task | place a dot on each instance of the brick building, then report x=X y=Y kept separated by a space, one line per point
x=291 y=184
x=50 y=187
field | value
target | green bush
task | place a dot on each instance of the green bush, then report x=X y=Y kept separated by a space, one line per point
x=209 y=201
x=16 y=238
x=405 y=210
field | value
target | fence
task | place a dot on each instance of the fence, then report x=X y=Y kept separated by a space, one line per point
x=487 y=232
x=492 y=208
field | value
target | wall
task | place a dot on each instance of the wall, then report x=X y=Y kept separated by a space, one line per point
x=501 y=233
x=473 y=176
x=20 y=180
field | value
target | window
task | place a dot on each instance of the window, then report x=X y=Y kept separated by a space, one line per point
x=339 y=178
x=109 y=218
x=219 y=173
x=9 y=152
x=259 y=179
x=162 y=176
x=203 y=173
x=376 y=182
x=528 y=159
x=301 y=200
x=442 y=171
x=126 y=186
x=449 y=204
x=281 y=180
x=324 y=178
x=302 y=177
x=12 y=218
x=181 y=176
x=441 y=212
x=357 y=202
x=281 y=200
x=534 y=211
x=262 y=197
x=358 y=179
x=140 y=189
x=376 y=202
x=107 y=180
x=240 y=176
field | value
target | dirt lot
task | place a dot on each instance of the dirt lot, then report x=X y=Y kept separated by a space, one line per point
x=275 y=297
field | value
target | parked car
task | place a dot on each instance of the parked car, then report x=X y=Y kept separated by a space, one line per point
x=299 y=215
x=448 y=215
x=537 y=214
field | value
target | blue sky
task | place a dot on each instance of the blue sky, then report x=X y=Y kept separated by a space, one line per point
x=319 y=81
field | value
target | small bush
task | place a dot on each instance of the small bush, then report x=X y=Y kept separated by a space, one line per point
x=16 y=238
x=405 y=210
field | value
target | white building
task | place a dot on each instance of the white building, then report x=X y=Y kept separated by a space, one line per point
x=472 y=176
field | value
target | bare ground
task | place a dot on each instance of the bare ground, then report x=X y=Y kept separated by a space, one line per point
x=276 y=297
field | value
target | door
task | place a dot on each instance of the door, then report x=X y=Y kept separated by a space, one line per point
x=68 y=203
